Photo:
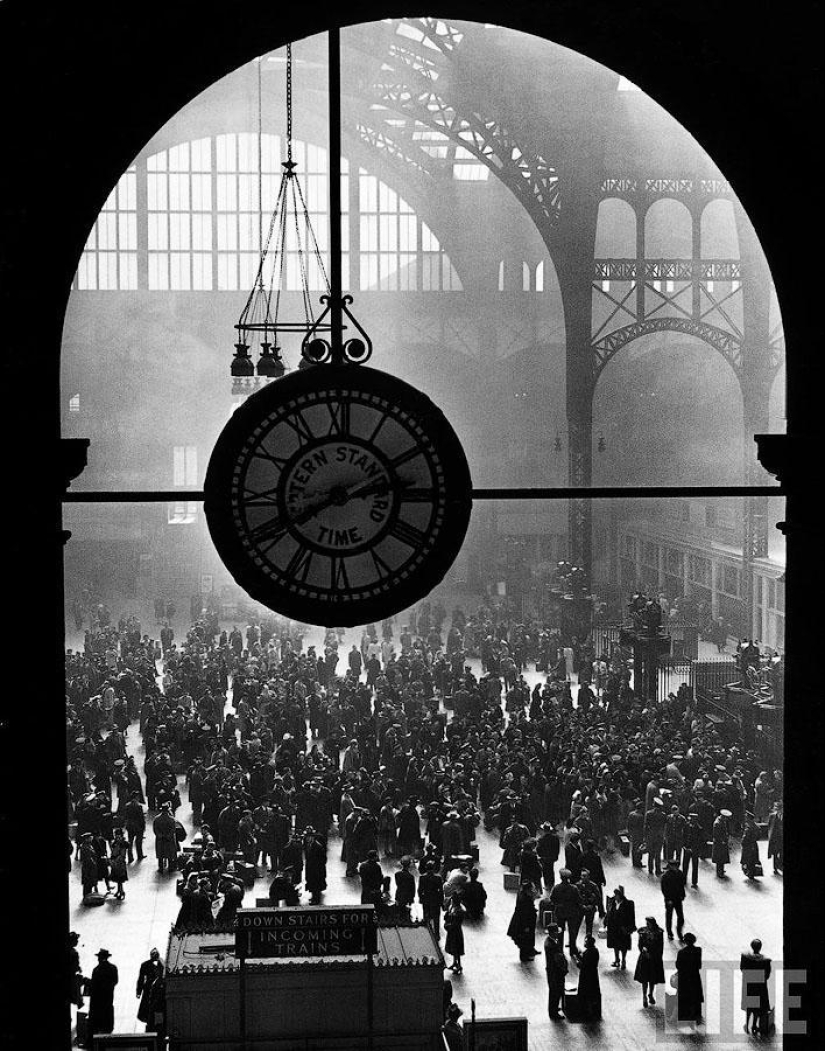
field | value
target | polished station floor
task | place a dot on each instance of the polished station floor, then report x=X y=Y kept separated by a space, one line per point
x=723 y=914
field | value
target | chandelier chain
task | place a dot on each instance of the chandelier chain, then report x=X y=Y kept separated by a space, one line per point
x=289 y=102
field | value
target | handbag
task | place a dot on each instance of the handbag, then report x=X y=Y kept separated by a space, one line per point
x=757 y=869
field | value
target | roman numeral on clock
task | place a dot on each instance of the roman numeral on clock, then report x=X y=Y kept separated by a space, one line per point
x=298 y=565
x=381 y=567
x=300 y=426
x=417 y=496
x=410 y=454
x=338 y=573
x=407 y=534
x=339 y=418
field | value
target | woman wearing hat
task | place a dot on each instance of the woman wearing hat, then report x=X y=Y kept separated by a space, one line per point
x=117 y=862
x=689 y=988
x=650 y=970
x=522 y=928
x=453 y=924
x=589 y=991
x=620 y=922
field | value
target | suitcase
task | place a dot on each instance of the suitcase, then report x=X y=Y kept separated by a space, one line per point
x=545 y=911
x=248 y=873
x=624 y=845
x=474 y=851
x=82 y=1028
x=512 y=881
x=570 y=1002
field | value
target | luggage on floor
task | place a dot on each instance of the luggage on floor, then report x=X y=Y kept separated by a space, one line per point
x=82 y=1028
x=512 y=880
x=247 y=872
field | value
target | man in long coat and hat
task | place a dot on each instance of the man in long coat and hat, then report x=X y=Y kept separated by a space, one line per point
x=166 y=842
x=720 y=854
x=102 y=995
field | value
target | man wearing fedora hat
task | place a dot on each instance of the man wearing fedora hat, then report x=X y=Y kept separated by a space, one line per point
x=720 y=854
x=102 y=995
x=166 y=843
x=556 y=968
x=655 y=835
x=673 y=891
x=636 y=832
x=547 y=849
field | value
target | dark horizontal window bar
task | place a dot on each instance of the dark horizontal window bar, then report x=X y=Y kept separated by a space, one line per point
x=602 y=492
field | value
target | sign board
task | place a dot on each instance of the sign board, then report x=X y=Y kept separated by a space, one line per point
x=338 y=930
x=126 y=1042
x=207 y=583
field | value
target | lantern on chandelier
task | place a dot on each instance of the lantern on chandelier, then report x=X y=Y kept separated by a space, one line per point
x=261 y=319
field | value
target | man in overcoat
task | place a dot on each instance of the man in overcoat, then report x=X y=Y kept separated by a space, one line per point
x=693 y=848
x=556 y=969
x=673 y=891
x=166 y=841
x=655 y=835
x=102 y=995
x=431 y=896
x=720 y=854
x=315 y=865
x=149 y=970
x=636 y=832
x=547 y=849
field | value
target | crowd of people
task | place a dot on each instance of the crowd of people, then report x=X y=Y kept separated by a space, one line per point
x=399 y=749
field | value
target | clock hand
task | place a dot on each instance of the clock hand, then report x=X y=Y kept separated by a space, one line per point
x=336 y=495
x=268 y=529
x=381 y=484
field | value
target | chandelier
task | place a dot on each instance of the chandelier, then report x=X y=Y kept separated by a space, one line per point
x=260 y=320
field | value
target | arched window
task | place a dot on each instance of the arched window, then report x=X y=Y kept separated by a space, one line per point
x=109 y=260
x=616 y=230
x=203 y=224
x=668 y=230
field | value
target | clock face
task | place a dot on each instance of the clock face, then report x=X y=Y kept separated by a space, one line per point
x=338 y=495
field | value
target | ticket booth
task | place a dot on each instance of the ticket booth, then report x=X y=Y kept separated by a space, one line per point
x=298 y=977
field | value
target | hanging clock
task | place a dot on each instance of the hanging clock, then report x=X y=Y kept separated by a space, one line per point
x=338 y=495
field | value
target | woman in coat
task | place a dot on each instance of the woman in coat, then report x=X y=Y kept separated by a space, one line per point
x=590 y=993
x=117 y=862
x=755 y=999
x=750 y=861
x=650 y=970
x=689 y=989
x=453 y=924
x=522 y=927
x=621 y=923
